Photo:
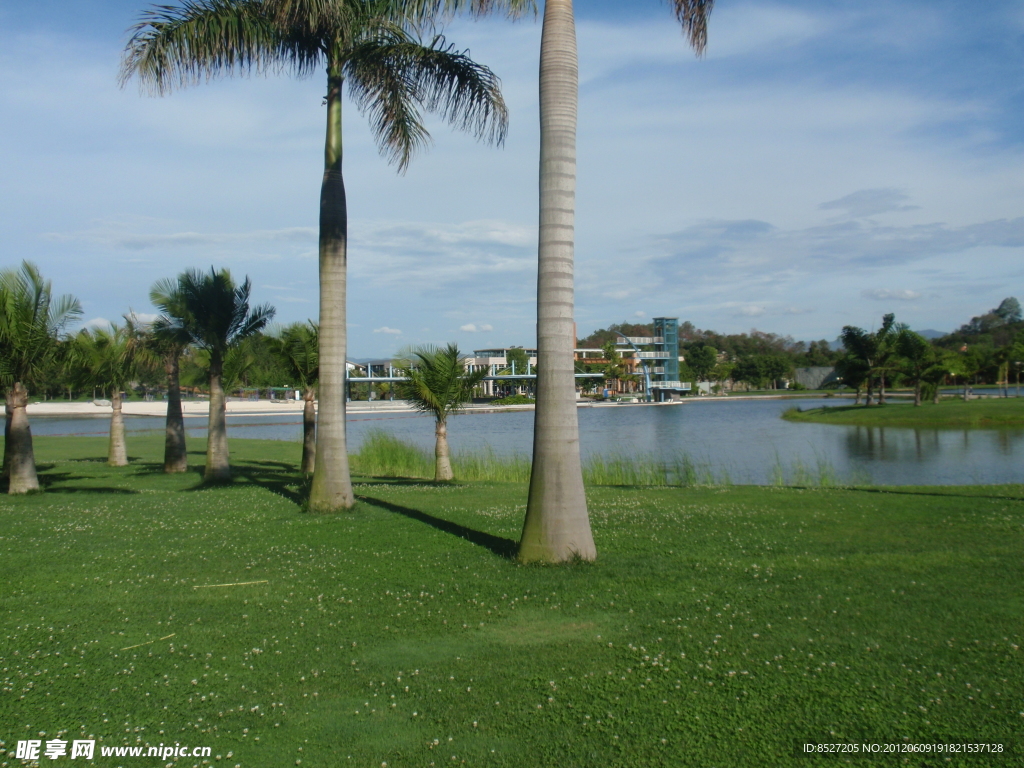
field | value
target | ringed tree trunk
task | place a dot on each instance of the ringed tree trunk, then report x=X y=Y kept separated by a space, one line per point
x=917 y=392
x=869 y=397
x=218 y=464
x=557 y=525
x=881 y=390
x=857 y=401
x=331 y=489
x=308 y=431
x=117 y=452
x=442 y=456
x=18 y=454
x=175 y=455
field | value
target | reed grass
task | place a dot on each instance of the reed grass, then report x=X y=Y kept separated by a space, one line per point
x=383 y=455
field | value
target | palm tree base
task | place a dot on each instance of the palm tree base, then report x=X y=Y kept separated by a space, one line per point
x=19 y=458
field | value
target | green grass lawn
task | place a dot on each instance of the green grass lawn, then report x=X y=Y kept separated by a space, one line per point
x=719 y=627
x=985 y=412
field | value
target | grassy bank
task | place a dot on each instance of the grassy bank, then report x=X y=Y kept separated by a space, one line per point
x=383 y=455
x=986 y=412
x=720 y=626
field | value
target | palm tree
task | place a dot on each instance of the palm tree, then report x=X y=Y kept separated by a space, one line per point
x=557 y=525
x=217 y=317
x=168 y=339
x=853 y=372
x=439 y=384
x=917 y=357
x=110 y=359
x=299 y=350
x=873 y=350
x=32 y=323
x=934 y=375
x=391 y=75
x=886 y=357
x=967 y=365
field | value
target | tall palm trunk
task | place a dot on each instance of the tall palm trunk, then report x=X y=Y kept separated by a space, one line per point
x=175 y=454
x=442 y=456
x=218 y=464
x=8 y=412
x=18 y=454
x=869 y=396
x=331 y=490
x=308 y=431
x=881 y=390
x=117 y=452
x=557 y=526
x=917 y=391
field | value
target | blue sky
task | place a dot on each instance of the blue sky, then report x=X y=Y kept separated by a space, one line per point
x=825 y=163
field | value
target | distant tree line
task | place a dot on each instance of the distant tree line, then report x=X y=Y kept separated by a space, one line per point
x=989 y=349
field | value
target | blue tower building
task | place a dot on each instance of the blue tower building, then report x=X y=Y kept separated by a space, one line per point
x=660 y=360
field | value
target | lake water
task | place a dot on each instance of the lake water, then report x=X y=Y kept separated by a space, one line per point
x=744 y=439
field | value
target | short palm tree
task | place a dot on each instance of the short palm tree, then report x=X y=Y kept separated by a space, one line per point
x=874 y=350
x=391 y=75
x=916 y=356
x=439 y=384
x=168 y=340
x=557 y=525
x=32 y=324
x=217 y=317
x=298 y=348
x=109 y=358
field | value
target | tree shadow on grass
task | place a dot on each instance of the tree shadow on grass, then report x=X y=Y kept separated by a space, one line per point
x=898 y=492
x=54 y=482
x=500 y=546
x=275 y=476
x=95 y=489
x=372 y=480
x=278 y=477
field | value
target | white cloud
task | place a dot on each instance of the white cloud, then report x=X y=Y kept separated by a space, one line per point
x=868 y=106
x=117 y=237
x=385 y=329
x=639 y=313
x=751 y=311
x=430 y=257
x=97 y=322
x=868 y=202
x=473 y=327
x=882 y=294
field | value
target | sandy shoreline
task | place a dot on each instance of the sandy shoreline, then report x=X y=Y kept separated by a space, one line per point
x=294 y=407
x=189 y=408
x=194 y=408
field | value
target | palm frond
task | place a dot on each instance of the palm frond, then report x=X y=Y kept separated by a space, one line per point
x=438 y=381
x=443 y=9
x=216 y=312
x=341 y=21
x=693 y=15
x=176 y=46
x=391 y=76
x=32 y=323
x=106 y=357
x=299 y=350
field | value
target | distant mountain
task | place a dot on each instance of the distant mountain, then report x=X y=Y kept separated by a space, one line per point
x=933 y=334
